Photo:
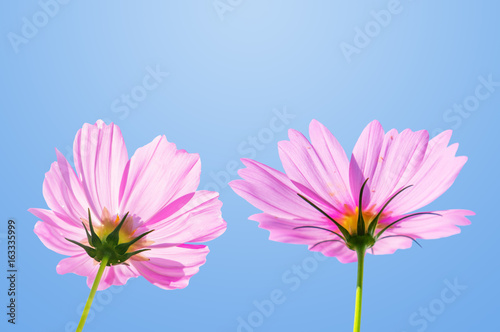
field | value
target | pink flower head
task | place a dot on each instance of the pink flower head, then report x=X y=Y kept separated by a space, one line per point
x=143 y=212
x=334 y=205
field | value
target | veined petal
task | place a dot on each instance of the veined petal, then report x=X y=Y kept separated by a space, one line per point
x=100 y=158
x=80 y=264
x=113 y=275
x=171 y=268
x=364 y=159
x=54 y=239
x=85 y=266
x=63 y=191
x=156 y=175
x=60 y=222
x=271 y=191
x=433 y=226
x=337 y=250
x=283 y=230
x=304 y=165
x=199 y=220
x=399 y=160
x=437 y=172
x=389 y=245
x=334 y=160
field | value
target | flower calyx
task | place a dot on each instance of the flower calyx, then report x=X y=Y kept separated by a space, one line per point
x=109 y=245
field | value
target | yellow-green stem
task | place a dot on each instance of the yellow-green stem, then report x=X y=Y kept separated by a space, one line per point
x=359 y=289
x=85 y=312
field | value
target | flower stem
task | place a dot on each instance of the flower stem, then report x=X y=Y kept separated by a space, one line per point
x=359 y=288
x=97 y=279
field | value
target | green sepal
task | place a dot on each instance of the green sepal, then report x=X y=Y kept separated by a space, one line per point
x=342 y=229
x=405 y=236
x=379 y=234
x=361 y=221
x=114 y=237
x=123 y=247
x=130 y=254
x=373 y=225
x=96 y=241
x=89 y=237
x=90 y=251
x=322 y=228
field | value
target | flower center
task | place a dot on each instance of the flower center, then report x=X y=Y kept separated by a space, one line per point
x=368 y=221
x=113 y=238
x=350 y=219
x=109 y=224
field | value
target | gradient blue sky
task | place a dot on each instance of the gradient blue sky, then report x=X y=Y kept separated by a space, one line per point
x=230 y=71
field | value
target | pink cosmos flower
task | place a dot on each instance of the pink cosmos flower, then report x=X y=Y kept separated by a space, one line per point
x=336 y=205
x=144 y=213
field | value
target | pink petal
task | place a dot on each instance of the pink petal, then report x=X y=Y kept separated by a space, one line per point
x=63 y=191
x=400 y=159
x=434 y=227
x=390 y=245
x=420 y=227
x=438 y=171
x=100 y=158
x=170 y=209
x=53 y=239
x=63 y=223
x=305 y=166
x=171 y=268
x=113 y=275
x=271 y=191
x=338 y=250
x=85 y=266
x=282 y=230
x=81 y=264
x=199 y=220
x=53 y=231
x=364 y=159
x=156 y=175
x=333 y=158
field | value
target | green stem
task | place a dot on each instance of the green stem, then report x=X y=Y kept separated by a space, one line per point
x=85 y=312
x=359 y=289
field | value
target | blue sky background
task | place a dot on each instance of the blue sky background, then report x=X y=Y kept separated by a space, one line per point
x=229 y=72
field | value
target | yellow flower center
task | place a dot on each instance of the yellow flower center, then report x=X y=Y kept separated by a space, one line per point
x=126 y=233
x=350 y=219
